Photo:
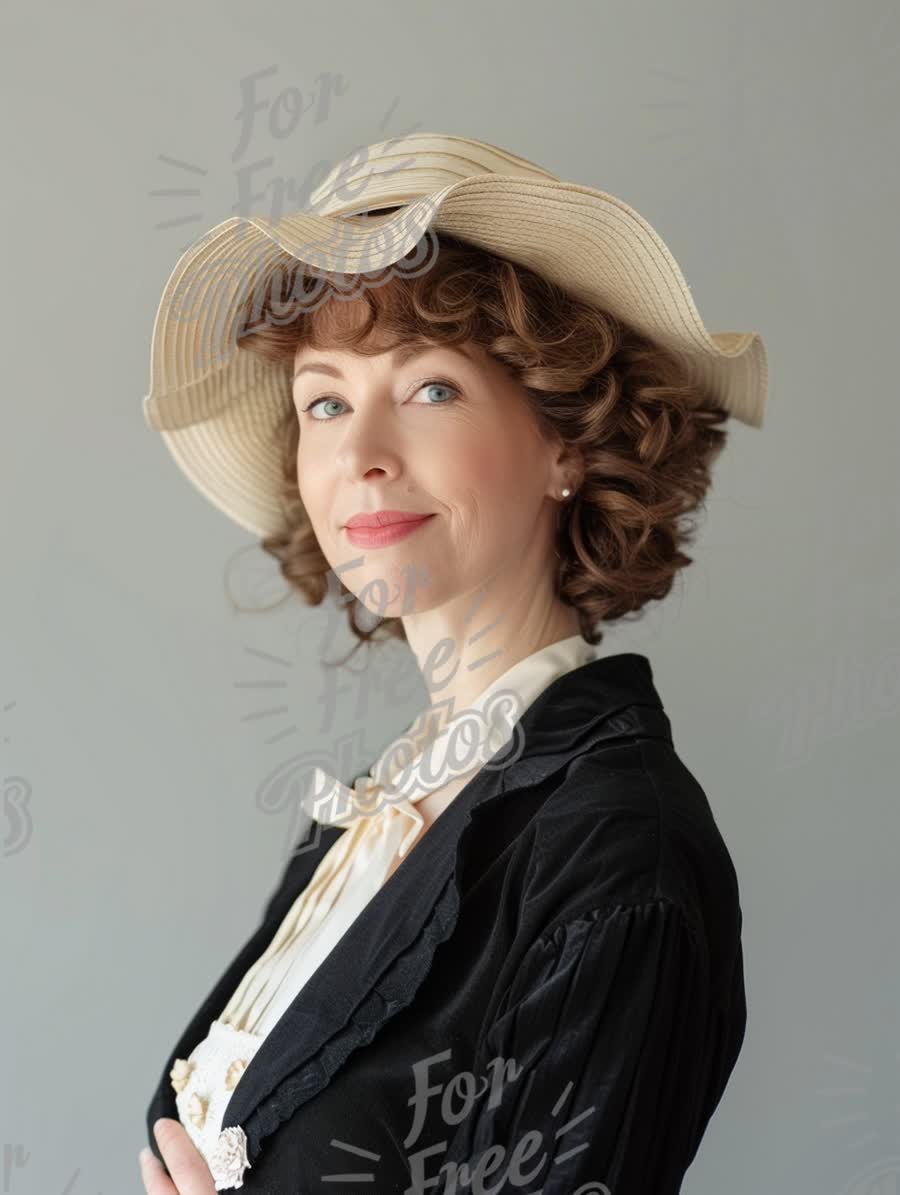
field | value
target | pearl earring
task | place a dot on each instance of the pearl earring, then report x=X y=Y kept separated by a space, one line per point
x=566 y=493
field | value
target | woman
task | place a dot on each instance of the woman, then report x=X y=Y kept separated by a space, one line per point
x=509 y=958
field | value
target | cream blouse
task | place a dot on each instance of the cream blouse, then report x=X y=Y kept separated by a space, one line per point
x=383 y=822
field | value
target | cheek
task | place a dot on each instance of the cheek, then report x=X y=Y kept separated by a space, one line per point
x=309 y=480
x=492 y=492
x=501 y=463
x=313 y=497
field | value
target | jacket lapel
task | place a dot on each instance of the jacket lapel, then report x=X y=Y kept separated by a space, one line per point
x=381 y=961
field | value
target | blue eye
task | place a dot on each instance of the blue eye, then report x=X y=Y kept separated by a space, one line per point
x=442 y=385
x=316 y=403
x=419 y=386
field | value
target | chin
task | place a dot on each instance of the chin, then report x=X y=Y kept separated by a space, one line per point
x=392 y=593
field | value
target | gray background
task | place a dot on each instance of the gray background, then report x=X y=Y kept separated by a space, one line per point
x=142 y=714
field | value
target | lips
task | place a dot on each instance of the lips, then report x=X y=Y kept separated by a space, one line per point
x=386 y=518
x=382 y=535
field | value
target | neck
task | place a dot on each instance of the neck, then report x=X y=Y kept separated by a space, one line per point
x=457 y=668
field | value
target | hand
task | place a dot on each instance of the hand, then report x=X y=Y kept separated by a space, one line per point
x=185 y=1162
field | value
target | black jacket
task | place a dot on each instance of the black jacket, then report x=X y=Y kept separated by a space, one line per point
x=574 y=914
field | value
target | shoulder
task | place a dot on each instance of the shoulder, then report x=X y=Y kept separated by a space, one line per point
x=629 y=827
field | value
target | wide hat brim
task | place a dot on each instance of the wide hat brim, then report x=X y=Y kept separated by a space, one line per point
x=219 y=409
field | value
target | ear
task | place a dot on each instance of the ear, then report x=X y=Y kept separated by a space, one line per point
x=568 y=466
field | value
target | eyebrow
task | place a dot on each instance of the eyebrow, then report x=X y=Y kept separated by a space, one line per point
x=401 y=355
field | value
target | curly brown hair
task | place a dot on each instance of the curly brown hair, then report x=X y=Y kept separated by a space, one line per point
x=646 y=435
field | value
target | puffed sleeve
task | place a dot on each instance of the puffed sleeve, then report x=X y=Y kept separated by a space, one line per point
x=608 y=1040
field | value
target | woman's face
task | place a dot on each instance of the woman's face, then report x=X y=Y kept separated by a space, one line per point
x=446 y=433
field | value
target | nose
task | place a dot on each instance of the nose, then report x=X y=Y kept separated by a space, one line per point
x=369 y=443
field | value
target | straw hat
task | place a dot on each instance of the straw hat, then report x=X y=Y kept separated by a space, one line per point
x=218 y=408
